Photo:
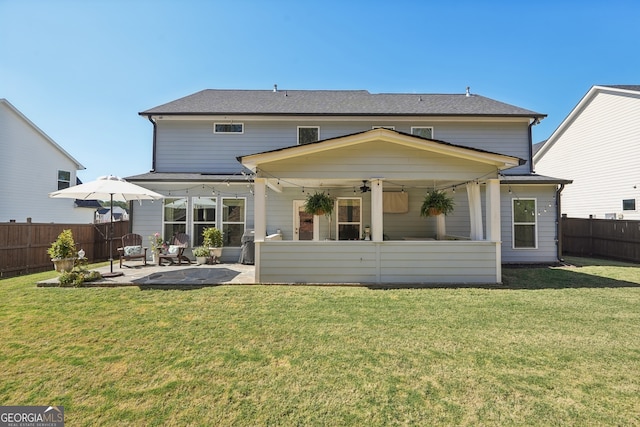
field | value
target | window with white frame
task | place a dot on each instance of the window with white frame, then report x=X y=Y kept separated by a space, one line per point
x=422 y=131
x=228 y=128
x=308 y=134
x=525 y=235
x=64 y=180
x=174 y=217
x=204 y=216
x=349 y=218
x=233 y=220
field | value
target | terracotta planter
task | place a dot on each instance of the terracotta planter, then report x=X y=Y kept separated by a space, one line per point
x=63 y=264
x=434 y=212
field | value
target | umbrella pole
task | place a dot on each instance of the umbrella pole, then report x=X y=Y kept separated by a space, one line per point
x=111 y=273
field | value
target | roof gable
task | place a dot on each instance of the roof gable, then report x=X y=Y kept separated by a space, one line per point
x=29 y=123
x=500 y=161
x=335 y=102
x=620 y=90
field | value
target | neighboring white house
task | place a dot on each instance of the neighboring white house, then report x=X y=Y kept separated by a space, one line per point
x=32 y=165
x=104 y=214
x=246 y=160
x=598 y=146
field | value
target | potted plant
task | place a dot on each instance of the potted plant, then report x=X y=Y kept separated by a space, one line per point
x=436 y=202
x=201 y=253
x=212 y=239
x=318 y=204
x=63 y=252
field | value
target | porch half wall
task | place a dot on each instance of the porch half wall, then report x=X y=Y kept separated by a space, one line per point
x=363 y=262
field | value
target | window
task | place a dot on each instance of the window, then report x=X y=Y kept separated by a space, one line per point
x=233 y=221
x=384 y=127
x=228 y=128
x=175 y=217
x=349 y=218
x=524 y=224
x=204 y=216
x=307 y=134
x=629 y=205
x=64 y=180
x=423 y=132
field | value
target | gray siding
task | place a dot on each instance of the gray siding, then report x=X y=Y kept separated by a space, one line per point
x=546 y=251
x=191 y=145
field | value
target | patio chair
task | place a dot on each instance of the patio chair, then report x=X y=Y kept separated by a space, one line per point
x=132 y=248
x=177 y=246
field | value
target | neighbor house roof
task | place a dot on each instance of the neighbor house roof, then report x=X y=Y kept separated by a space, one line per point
x=335 y=102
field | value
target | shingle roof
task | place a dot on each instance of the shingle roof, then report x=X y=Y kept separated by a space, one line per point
x=335 y=102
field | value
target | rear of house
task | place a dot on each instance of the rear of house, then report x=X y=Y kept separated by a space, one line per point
x=246 y=160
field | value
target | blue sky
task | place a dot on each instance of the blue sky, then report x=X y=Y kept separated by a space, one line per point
x=81 y=70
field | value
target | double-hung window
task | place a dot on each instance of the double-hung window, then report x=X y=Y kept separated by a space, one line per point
x=233 y=220
x=349 y=217
x=525 y=235
x=308 y=134
x=422 y=131
x=204 y=216
x=64 y=180
x=175 y=216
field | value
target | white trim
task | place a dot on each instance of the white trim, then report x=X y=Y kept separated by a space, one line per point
x=423 y=127
x=306 y=127
x=228 y=124
x=534 y=223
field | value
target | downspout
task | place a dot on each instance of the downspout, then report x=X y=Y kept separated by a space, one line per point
x=559 y=222
x=153 y=155
x=535 y=121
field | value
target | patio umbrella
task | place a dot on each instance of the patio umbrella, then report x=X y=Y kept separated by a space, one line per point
x=110 y=188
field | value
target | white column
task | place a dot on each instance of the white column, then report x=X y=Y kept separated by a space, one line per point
x=475 y=210
x=260 y=209
x=441 y=227
x=376 y=210
x=493 y=210
x=492 y=207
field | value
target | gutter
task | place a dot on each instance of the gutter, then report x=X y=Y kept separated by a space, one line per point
x=153 y=155
x=559 y=222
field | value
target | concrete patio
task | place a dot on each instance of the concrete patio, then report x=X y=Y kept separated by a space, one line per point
x=171 y=276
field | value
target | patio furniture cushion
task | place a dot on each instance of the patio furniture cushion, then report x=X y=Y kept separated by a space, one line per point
x=173 y=249
x=132 y=250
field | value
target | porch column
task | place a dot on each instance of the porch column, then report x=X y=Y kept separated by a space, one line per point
x=376 y=210
x=493 y=210
x=475 y=210
x=260 y=209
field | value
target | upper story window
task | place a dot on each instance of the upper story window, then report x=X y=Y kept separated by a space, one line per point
x=228 y=128
x=423 y=132
x=64 y=180
x=629 y=205
x=307 y=134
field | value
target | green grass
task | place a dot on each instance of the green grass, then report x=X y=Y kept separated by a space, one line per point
x=554 y=346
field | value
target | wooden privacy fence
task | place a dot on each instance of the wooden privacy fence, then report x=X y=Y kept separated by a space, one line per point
x=607 y=238
x=23 y=246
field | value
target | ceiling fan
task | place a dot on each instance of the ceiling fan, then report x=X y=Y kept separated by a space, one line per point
x=364 y=187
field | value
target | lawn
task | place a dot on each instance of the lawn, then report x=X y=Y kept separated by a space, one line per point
x=554 y=346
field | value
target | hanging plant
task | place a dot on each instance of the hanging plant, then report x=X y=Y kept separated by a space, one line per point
x=436 y=202
x=318 y=204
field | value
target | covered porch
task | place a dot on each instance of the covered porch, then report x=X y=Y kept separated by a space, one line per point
x=384 y=162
